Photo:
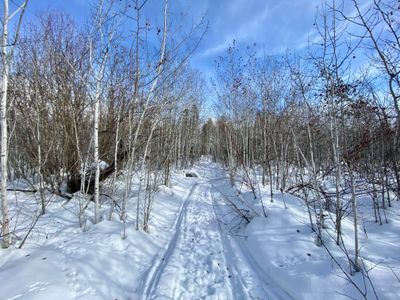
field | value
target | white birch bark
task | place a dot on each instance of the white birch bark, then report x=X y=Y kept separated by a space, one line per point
x=142 y=115
x=115 y=166
x=6 y=54
x=3 y=123
x=99 y=74
x=96 y=153
x=355 y=221
x=142 y=173
x=39 y=166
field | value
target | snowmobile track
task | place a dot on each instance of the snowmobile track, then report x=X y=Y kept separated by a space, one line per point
x=159 y=263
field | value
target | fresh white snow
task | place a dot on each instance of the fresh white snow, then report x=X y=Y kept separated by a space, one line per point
x=196 y=249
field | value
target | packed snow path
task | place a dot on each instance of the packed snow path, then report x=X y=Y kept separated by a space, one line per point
x=202 y=261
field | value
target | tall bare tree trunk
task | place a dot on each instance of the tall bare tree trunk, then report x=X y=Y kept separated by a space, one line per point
x=115 y=165
x=143 y=173
x=6 y=54
x=3 y=123
x=39 y=167
x=355 y=220
x=99 y=75
x=96 y=154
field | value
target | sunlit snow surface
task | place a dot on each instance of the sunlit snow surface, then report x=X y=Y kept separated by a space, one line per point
x=196 y=249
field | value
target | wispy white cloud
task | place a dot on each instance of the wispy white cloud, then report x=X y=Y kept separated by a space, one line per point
x=274 y=24
x=216 y=49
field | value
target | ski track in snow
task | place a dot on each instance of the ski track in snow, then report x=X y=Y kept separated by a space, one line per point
x=248 y=273
x=202 y=261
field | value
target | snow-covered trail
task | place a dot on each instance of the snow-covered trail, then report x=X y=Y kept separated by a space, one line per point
x=202 y=261
x=247 y=272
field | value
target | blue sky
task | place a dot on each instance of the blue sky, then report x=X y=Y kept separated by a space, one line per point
x=275 y=25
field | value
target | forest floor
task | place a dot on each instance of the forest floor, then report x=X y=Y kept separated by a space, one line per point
x=197 y=248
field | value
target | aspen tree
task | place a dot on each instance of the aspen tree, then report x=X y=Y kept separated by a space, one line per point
x=7 y=51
